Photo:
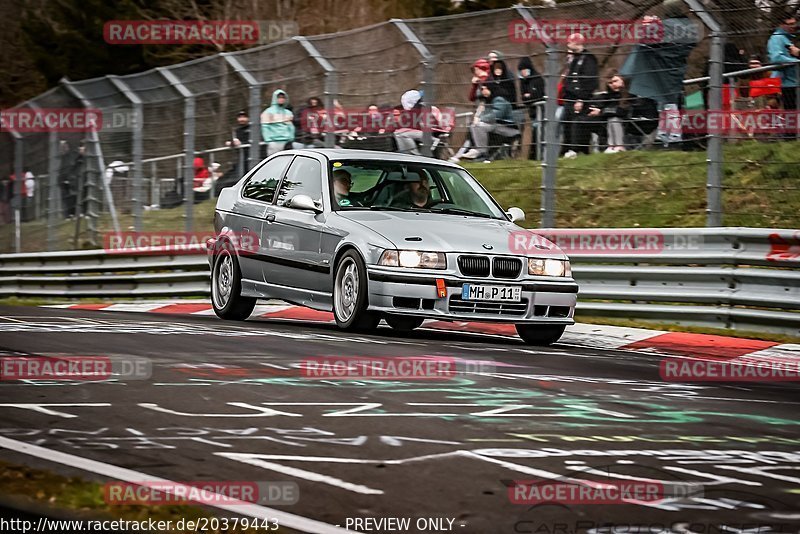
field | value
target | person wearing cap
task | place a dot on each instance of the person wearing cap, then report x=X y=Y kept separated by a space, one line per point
x=580 y=83
x=241 y=135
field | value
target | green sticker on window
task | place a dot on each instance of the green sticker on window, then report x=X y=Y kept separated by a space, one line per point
x=344 y=202
x=337 y=164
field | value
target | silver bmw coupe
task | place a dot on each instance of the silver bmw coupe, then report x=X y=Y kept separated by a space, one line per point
x=379 y=235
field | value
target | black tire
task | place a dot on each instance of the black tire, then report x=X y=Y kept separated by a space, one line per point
x=534 y=334
x=226 y=287
x=350 y=288
x=403 y=323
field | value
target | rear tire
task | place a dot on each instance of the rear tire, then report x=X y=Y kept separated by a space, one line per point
x=350 y=288
x=542 y=335
x=403 y=323
x=226 y=287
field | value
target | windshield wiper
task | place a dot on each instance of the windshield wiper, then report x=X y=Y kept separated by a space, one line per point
x=460 y=211
x=394 y=208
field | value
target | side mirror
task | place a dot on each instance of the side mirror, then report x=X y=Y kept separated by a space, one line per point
x=515 y=214
x=302 y=202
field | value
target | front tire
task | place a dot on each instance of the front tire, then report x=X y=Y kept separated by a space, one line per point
x=403 y=323
x=544 y=335
x=350 y=288
x=226 y=287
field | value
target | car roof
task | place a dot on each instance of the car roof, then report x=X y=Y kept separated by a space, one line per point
x=351 y=153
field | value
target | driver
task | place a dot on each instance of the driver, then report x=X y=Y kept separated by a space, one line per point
x=342 y=183
x=415 y=194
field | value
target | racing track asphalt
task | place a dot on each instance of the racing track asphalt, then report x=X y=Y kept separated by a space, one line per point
x=223 y=403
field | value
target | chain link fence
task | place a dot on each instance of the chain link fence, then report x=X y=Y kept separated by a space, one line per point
x=168 y=133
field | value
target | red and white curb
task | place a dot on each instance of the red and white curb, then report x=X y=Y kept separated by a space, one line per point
x=586 y=335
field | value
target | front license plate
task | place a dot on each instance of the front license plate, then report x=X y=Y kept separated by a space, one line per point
x=497 y=293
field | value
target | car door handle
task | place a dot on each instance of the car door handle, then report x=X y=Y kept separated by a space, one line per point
x=270 y=217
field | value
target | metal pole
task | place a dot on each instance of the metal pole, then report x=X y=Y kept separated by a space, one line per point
x=254 y=110
x=797 y=96
x=188 y=143
x=330 y=85
x=551 y=144
x=52 y=209
x=18 y=200
x=715 y=161
x=538 y=132
x=138 y=127
x=429 y=77
x=551 y=147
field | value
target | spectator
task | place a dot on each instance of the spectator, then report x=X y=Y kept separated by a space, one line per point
x=610 y=109
x=277 y=128
x=410 y=115
x=501 y=82
x=781 y=49
x=657 y=70
x=580 y=84
x=68 y=177
x=201 y=173
x=531 y=85
x=241 y=136
x=308 y=126
x=480 y=73
x=494 y=115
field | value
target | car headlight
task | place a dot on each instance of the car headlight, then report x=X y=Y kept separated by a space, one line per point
x=413 y=259
x=549 y=267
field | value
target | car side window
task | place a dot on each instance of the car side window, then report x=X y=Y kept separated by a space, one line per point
x=262 y=185
x=304 y=178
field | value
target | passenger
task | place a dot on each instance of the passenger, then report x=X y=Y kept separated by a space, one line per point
x=342 y=183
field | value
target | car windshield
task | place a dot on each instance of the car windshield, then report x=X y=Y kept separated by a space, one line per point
x=404 y=186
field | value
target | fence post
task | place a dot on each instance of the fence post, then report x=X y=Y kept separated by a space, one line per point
x=188 y=143
x=714 y=156
x=52 y=186
x=95 y=154
x=428 y=78
x=138 y=126
x=16 y=199
x=330 y=85
x=551 y=146
x=254 y=111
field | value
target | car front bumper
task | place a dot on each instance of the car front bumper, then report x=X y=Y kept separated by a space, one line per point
x=543 y=301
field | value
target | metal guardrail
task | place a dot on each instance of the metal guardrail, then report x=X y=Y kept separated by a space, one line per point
x=739 y=278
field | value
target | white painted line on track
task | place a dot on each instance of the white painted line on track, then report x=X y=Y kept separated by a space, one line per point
x=284 y=519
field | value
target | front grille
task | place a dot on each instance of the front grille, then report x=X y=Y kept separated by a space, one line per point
x=474 y=265
x=506 y=267
x=458 y=305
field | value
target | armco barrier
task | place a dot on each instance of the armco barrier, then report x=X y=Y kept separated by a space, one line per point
x=740 y=278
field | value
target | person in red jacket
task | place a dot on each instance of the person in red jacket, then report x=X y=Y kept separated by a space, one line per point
x=200 y=172
x=480 y=73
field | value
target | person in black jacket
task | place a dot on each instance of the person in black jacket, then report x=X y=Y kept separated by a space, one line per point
x=501 y=82
x=610 y=109
x=580 y=83
x=531 y=85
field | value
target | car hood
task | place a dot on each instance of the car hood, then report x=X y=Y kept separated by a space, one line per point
x=454 y=233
